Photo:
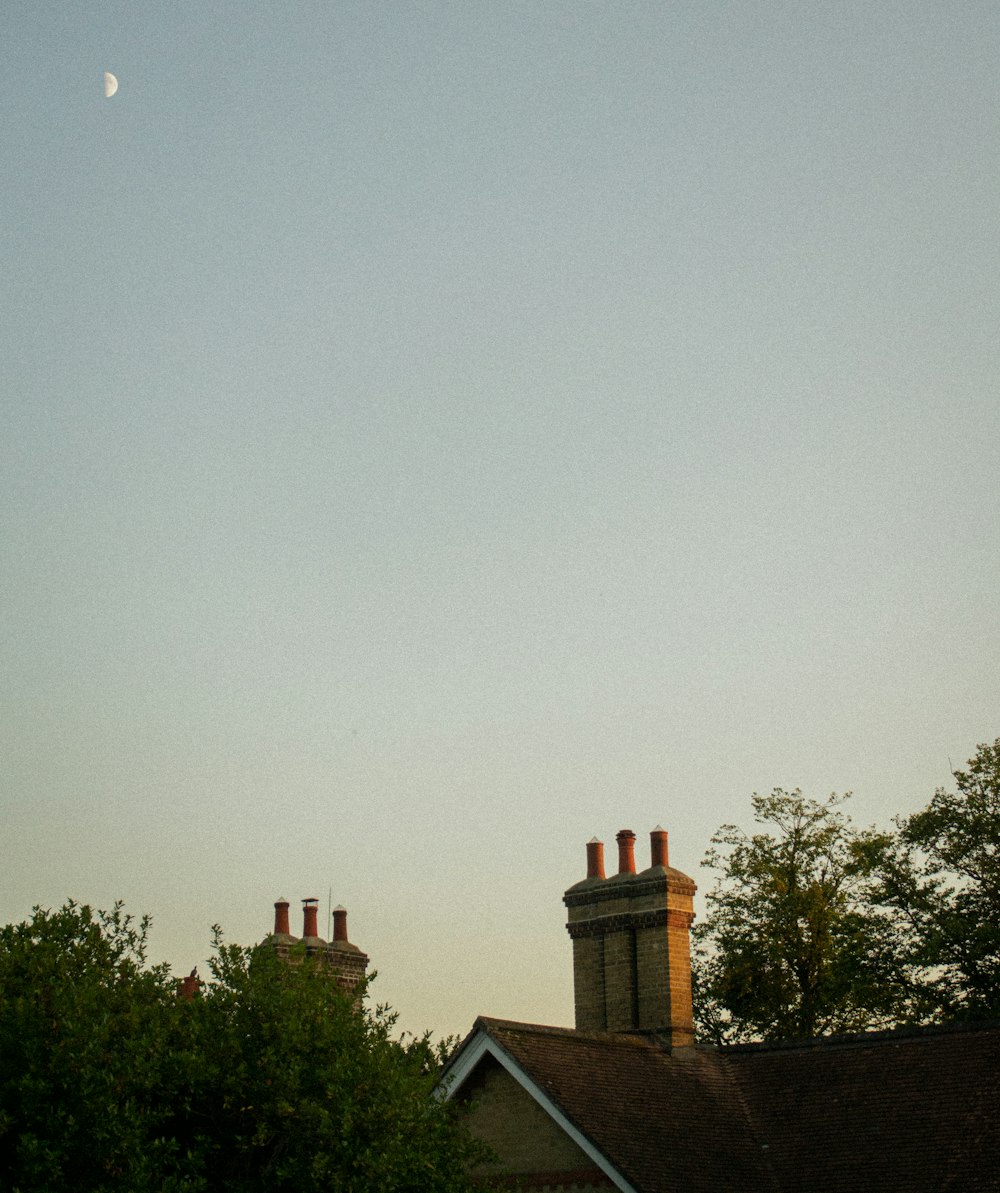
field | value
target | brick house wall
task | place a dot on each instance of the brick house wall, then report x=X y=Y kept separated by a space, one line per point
x=537 y=1154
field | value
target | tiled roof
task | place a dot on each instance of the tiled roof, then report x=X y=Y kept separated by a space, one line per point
x=914 y=1111
x=907 y=1111
x=667 y=1122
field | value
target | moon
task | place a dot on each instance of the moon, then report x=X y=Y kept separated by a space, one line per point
x=110 y=84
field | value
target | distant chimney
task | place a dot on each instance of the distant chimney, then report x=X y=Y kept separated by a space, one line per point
x=281 y=939
x=346 y=963
x=340 y=923
x=189 y=986
x=631 y=946
x=310 y=916
x=626 y=851
x=595 y=858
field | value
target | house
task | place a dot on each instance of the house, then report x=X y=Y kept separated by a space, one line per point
x=628 y=1099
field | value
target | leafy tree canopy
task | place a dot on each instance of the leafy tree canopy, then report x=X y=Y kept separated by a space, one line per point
x=270 y=1078
x=791 y=945
x=941 y=874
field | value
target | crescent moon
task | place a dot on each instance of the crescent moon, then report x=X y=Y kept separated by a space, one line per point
x=110 y=84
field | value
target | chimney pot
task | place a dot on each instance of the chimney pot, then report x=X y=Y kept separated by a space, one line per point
x=595 y=858
x=281 y=927
x=188 y=987
x=310 y=917
x=658 y=847
x=626 y=851
x=340 y=923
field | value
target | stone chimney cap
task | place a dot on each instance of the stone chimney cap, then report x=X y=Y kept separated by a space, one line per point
x=340 y=907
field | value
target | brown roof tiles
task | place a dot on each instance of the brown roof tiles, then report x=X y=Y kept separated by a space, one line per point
x=902 y=1112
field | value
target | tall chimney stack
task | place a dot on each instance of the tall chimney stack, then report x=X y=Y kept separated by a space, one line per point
x=631 y=945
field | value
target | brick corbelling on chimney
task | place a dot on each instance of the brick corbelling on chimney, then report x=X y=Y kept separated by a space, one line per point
x=653 y=918
x=636 y=887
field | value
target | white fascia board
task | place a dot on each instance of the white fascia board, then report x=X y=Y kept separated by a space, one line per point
x=474 y=1053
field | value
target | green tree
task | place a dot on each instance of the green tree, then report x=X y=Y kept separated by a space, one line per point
x=301 y=1087
x=941 y=873
x=792 y=945
x=87 y=1038
x=271 y=1078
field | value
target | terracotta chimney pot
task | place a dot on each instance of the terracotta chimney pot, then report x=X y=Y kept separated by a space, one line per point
x=310 y=915
x=658 y=847
x=340 y=923
x=281 y=927
x=626 y=851
x=595 y=858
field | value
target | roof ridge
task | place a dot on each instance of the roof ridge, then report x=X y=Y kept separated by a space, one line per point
x=645 y=1039
x=904 y=1031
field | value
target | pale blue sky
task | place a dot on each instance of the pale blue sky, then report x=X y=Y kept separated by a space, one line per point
x=437 y=433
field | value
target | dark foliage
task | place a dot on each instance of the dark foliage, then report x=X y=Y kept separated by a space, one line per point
x=792 y=945
x=271 y=1078
x=941 y=876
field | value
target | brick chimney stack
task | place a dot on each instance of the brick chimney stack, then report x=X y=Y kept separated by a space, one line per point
x=346 y=959
x=631 y=945
x=346 y=963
